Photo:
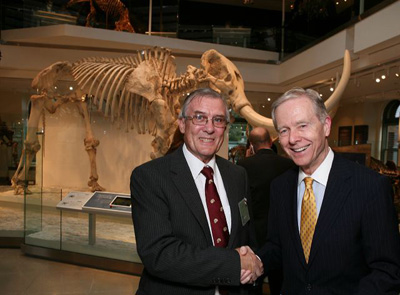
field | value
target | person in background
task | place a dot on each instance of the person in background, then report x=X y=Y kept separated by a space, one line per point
x=190 y=211
x=264 y=166
x=332 y=225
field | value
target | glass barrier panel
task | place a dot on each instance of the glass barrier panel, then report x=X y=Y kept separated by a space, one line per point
x=11 y=205
x=99 y=235
x=42 y=219
x=11 y=145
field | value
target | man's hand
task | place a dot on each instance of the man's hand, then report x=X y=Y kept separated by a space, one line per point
x=251 y=266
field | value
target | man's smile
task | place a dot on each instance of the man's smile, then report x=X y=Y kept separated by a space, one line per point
x=301 y=149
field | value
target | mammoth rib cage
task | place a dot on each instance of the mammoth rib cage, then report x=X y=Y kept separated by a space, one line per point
x=107 y=83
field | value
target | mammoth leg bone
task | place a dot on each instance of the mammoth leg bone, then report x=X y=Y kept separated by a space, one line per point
x=31 y=145
x=90 y=146
x=165 y=127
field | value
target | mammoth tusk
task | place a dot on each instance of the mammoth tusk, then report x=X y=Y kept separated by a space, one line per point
x=333 y=101
x=256 y=120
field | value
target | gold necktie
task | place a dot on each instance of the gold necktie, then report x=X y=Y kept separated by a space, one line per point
x=308 y=217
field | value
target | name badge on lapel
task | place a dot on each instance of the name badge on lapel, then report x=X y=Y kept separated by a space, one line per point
x=244 y=211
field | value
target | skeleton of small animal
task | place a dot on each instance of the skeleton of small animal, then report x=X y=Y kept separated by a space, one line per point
x=143 y=92
x=113 y=8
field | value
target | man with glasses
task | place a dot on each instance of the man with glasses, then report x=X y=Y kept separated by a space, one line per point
x=190 y=211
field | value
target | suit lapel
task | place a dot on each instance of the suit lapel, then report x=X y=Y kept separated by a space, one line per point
x=183 y=180
x=336 y=193
x=290 y=206
x=233 y=198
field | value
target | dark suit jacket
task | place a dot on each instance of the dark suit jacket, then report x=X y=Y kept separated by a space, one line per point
x=261 y=169
x=356 y=244
x=172 y=234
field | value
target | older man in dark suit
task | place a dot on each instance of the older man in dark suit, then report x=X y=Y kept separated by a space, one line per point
x=332 y=226
x=263 y=167
x=190 y=210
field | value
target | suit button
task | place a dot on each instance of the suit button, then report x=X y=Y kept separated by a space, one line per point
x=309 y=287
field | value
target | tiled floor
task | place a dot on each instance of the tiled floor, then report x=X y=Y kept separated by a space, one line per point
x=24 y=275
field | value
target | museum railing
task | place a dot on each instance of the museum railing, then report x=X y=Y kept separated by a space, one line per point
x=258 y=25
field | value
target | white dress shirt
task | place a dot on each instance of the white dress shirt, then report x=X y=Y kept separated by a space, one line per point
x=320 y=177
x=196 y=166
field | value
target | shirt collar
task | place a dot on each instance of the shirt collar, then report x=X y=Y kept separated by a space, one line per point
x=195 y=164
x=322 y=173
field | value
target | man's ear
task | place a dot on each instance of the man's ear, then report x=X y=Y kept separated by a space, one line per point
x=327 y=126
x=181 y=125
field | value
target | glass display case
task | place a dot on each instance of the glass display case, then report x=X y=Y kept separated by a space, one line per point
x=49 y=224
x=33 y=216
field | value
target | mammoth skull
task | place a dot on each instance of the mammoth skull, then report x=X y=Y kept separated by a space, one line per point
x=226 y=78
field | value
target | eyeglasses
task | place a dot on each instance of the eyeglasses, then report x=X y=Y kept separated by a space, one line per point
x=201 y=120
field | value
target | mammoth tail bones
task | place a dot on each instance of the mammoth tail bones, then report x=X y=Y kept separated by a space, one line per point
x=142 y=92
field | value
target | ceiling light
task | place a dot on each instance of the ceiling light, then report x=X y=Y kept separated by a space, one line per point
x=377 y=80
x=383 y=77
x=269 y=99
x=331 y=89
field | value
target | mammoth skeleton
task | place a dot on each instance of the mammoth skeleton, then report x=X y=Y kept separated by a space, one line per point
x=142 y=92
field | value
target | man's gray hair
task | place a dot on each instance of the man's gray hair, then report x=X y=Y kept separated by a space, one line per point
x=203 y=92
x=312 y=95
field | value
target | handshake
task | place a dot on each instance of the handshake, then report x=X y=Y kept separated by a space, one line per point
x=251 y=265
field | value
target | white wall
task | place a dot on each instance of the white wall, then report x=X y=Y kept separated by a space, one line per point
x=66 y=163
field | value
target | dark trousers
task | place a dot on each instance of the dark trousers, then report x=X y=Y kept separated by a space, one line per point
x=275 y=280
